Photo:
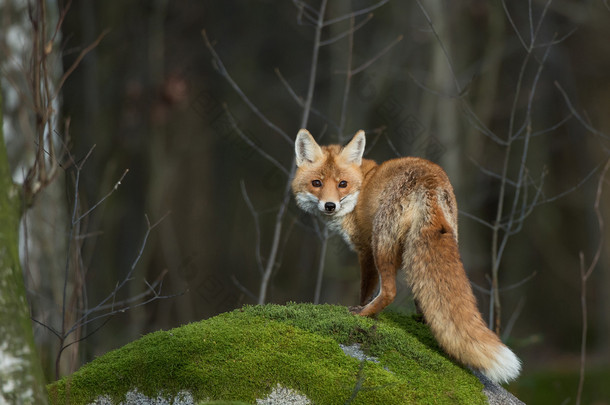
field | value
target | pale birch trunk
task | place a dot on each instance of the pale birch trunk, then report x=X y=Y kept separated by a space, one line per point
x=21 y=377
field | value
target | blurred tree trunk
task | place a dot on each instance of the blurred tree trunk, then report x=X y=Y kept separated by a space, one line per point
x=20 y=370
x=439 y=113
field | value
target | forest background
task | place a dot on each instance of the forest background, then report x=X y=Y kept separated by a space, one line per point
x=173 y=128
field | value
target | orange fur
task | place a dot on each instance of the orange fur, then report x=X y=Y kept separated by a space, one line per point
x=401 y=214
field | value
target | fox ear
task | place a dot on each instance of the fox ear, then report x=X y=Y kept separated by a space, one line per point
x=306 y=148
x=353 y=151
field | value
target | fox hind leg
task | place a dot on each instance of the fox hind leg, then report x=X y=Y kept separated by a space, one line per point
x=419 y=314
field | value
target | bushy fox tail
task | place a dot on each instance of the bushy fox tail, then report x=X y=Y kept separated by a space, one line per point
x=437 y=278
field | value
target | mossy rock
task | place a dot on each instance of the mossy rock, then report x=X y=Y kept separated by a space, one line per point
x=243 y=355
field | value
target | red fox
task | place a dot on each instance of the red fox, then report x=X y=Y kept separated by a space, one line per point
x=401 y=214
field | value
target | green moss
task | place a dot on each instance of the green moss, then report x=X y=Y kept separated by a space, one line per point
x=242 y=355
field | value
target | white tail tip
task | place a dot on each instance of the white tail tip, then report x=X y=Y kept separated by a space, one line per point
x=506 y=366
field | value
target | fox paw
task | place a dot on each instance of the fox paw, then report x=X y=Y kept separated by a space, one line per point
x=419 y=318
x=356 y=309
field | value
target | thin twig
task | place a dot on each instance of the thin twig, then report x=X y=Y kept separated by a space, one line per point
x=498 y=245
x=391 y=145
x=376 y=57
x=321 y=264
x=512 y=23
x=535 y=33
x=491 y=173
x=303 y=5
x=306 y=10
x=78 y=60
x=112 y=295
x=366 y=10
x=104 y=198
x=350 y=32
x=584 y=277
x=552 y=128
x=275 y=243
x=288 y=87
x=257 y=228
x=576 y=114
x=480 y=126
x=250 y=143
x=430 y=90
x=122 y=310
x=519 y=283
x=477 y=219
x=124 y=303
x=524 y=154
x=314 y=66
x=442 y=45
x=60 y=21
x=370 y=144
x=224 y=73
x=280 y=257
x=242 y=288
x=559 y=40
x=299 y=99
x=64 y=347
x=348 y=80
x=513 y=319
x=48 y=327
x=573 y=188
x=277 y=230
x=73 y=222
x=477 y=287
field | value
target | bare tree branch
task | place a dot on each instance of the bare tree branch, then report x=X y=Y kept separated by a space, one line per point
x=513 y=319
x=480 y=126
x=585 y=273
x=128 y=277
x=152 y=289
x=277 y=231
x=321 y=263
x=254 y=146
x=350 y=32
x=104 y=198
x=374 y=59
x=299 y=99
x=366 y=10
x=512 y=23
x=442 y=45
x=257 y=228
x=477 y=219
x=78 y=60
x=314 y=66
x=310 y=13
x=302 y=5
x=242 y=288
x=224 y=73
x=579 y=117
x=348 y=81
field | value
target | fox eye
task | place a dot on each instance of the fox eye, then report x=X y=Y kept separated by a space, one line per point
x=342 y=184
x=316 y=183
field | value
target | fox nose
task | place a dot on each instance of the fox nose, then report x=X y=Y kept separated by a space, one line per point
x=329 y=206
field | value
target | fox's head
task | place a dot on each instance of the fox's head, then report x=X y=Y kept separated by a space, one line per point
x=328 y=178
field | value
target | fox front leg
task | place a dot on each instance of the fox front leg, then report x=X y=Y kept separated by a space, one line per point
x=369 y=278
x=386 y=265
